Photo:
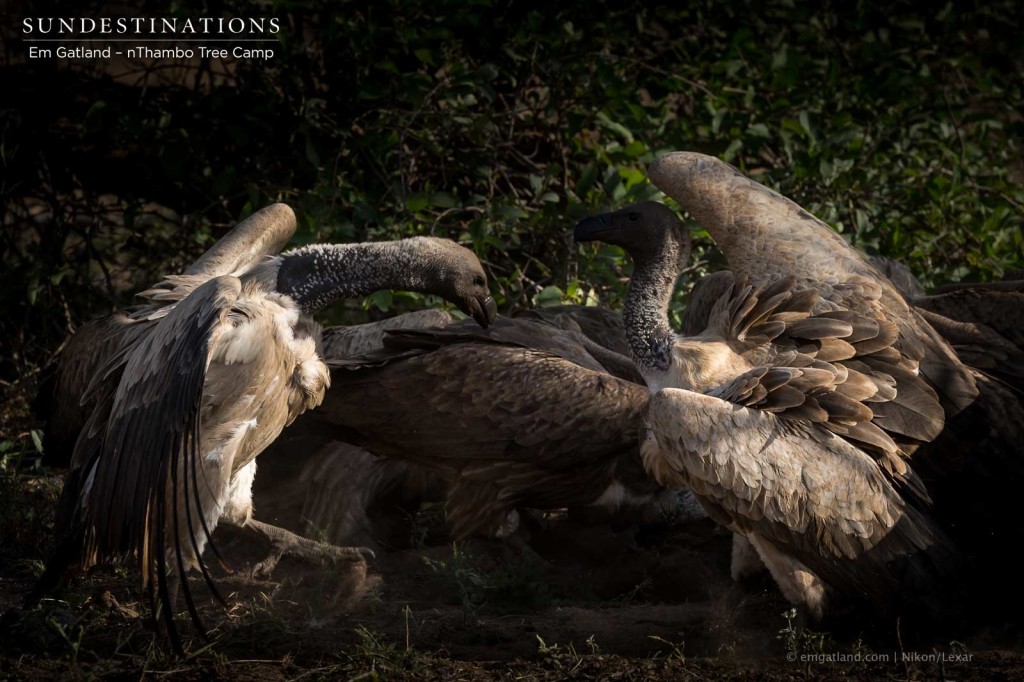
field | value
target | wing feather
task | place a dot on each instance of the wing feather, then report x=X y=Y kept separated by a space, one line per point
x=143 y=449
x=811 y=493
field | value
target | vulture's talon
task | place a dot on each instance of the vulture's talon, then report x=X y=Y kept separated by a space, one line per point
x=265 y=568
x=312 y=551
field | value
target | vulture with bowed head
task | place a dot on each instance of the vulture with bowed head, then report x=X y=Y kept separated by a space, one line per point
x=794 y=415
x=523 y=414
x=185 y=392
x=349 y=494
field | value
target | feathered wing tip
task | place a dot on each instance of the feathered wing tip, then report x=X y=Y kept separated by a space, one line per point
x=757 y=228
x=141 y=491
x=262 y=234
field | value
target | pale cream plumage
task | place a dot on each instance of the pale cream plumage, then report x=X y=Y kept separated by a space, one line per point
x=187 y=394
x=792 y=416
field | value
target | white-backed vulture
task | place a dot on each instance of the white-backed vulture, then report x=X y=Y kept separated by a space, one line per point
x=350 y=495
x=972 y=470
x=337 y=491
x=518 y=415
x=793 y=416
x=206 y=376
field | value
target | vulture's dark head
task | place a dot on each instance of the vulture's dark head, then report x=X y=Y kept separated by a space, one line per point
x=458 y=276
x=643 y=230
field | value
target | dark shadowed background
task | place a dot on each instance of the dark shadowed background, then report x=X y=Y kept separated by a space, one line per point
x=499 y=126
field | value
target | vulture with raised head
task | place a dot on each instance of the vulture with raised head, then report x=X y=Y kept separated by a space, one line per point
x=794 y=417
x=185 y=392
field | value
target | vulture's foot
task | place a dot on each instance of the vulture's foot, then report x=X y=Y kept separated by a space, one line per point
x=286 y=542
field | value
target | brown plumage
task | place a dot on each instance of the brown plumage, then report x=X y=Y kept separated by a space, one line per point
x=347 y=491
x=985 y=325
x=966 y=318
x=518 y=415
x=345 y=342
x=600 y=325
x=198 y=383
x=900 y=276
x=336 y=490
x=981 y=321
x=792 y=416
x=761 y=232
x=705 y=294
x=339 y=492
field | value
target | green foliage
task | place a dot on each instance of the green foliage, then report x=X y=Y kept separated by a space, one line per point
x=385 y=659
x=500 y=126
x=802 y=643
x=29 y=501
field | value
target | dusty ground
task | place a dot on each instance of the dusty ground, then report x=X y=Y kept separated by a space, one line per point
x=636 y=603
x=628 y=603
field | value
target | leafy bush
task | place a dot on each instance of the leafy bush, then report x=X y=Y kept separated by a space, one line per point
x=500 y=126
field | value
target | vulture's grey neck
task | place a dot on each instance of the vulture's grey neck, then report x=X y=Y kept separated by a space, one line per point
x=315 y=275
x=645 y=314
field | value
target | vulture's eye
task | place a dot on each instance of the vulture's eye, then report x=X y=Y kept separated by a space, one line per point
x=633 y=217
x=479 y=281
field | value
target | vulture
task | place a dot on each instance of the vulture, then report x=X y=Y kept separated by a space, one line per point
x=522 y=414
x=336 y=490
x=795 y=415
x=349 y=494
x=183 y=393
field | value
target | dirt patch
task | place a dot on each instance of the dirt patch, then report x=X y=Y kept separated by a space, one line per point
x=642 y=602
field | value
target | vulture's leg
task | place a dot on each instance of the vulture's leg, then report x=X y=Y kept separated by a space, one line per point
x=284 y=541
x=238 y=513
x=797 y=582
x=745 y=561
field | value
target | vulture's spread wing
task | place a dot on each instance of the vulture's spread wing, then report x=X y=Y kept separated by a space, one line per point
x=805 y=490
x=765 y=236
x=142 y=441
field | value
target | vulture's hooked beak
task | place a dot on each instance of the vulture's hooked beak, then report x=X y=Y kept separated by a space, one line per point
x=589 y=229
x=484 y=312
